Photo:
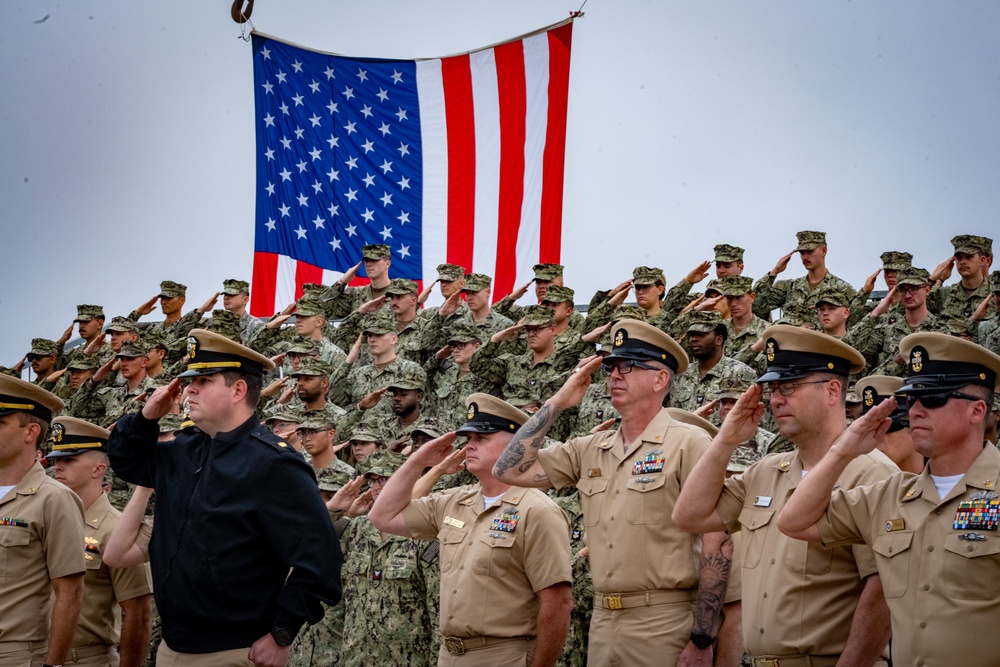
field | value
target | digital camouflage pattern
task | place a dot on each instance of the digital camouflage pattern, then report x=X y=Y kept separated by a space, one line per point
x=386 y=591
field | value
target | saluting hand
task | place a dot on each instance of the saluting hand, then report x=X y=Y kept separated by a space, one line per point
x=277 y=321
x=522 y=290
x=148 y=307
x=943 y=270
x=866 y=432
x=450 y=304
x=434 y=452
x=352 y=356
x=350 y=274
x=346 y=495
x=869 y=285
x=618 y=298
x=706 y=410
x=698 y=273
x=741 y=423
x=782 y=264
x=54 y=377
x=595 y=335
x=210 y=304
x=510 y=333
x=371 y=400
x=162 y=401
x=604 y=426
x=426 y=292
x=66 y=335
x=573 y=390
x=371 y=306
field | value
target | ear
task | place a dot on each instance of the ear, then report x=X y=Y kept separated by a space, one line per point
x=239 y=390
x=979 y=413
x=834 y=389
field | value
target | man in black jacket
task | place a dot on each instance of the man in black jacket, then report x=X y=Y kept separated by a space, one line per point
x=243 y=550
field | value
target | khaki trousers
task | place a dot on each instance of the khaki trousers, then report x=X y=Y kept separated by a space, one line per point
x=653 y=635
x=515 y=653
x=237 y=657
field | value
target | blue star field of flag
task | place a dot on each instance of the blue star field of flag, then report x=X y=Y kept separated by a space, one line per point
x=339 y=161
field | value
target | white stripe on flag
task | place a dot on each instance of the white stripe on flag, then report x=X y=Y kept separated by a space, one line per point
x=434 y=145
x=486 y=100
x=536 y=75
x=284 y=289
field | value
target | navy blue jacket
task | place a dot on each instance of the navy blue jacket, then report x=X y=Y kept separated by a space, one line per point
x=241 y=540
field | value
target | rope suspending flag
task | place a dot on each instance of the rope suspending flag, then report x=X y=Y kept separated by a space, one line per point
x=457 y=159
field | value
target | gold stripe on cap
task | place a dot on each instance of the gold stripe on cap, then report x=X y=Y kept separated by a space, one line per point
x=216 y=364
x=76 y=445
x=17 y=406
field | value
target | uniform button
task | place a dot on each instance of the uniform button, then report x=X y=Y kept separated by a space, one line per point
x=765 y=596
x=923 y=625
x=938 y=512
x=969 y=547
x=927 y=587
x=617 y=491
x=611 y=546
x=256 y=432
x=930 y=548
x=762 y=631
x=462 y=567
x=772 y=561
x=609 y=574
x=612 y=518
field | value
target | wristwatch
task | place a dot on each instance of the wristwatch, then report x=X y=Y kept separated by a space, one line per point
x=701 y=641
x=282 y=636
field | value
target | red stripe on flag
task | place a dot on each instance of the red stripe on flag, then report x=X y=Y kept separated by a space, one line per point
x=513 y=110
x=265 y=276
x=555 y=144
x=306 y=273
x=456 y=75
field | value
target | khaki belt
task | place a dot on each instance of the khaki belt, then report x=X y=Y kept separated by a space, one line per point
x=83 y=652
x=642 y=598
x=459 y=645
x=14 y=647
x=797 y=661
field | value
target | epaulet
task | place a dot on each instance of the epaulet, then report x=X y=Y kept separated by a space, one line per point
x=265 y=435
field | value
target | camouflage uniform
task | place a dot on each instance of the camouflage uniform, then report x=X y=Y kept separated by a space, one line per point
x=878 y=338
x=595 y=408
x=690 y=389
x=446 y=273
x=339 y=300
x=386 y=423
x=988 y=331
x=891 y=261
x=446 y=389
x=575 y=650
x=385 y=589
x=517 y=377
x=319 y=645
x=773 y=293
x=85 y=313
x=514 y=312
x=348 y=384
x=951 y=300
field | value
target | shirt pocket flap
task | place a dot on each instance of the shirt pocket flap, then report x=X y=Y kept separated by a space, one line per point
x=451 y=535
x=892 y=544
x=972 y=548
x=14 y=537
x=752 y=518
x=589 y=487
x=646 y=483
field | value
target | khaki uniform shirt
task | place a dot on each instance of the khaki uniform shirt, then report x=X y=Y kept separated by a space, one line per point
x=942 y=582
x=493 y=561
x=798 y=598
x=627 y=500
x=41 y=530
x=104 y=587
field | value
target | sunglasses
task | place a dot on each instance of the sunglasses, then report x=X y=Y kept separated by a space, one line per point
x=624 y=366
x=932 y=401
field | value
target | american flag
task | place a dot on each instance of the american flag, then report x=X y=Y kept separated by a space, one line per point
x=456 y=159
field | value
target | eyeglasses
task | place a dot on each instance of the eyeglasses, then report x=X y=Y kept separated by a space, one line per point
x=906 y=289
x=784 y=388
x=458 y=344
x=309 y=432
x=624 y=366
x=932 y=401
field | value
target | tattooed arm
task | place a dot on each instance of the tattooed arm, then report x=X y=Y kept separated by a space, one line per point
x=518 y=464
x=713 y=578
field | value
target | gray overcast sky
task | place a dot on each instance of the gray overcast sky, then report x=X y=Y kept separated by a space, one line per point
x=128 y=131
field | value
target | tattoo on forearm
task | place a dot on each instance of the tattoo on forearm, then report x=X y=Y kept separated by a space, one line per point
x=533 y=433
x=712 y=583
